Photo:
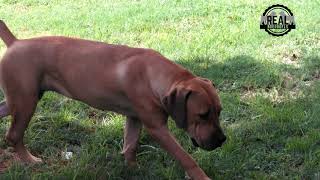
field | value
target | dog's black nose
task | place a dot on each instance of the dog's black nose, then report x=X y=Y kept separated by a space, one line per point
x=194 y=142
x=222 y=138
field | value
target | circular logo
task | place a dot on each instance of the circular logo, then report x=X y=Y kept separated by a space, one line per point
x=277 y=20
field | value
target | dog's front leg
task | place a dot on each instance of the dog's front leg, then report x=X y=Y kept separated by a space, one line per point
x=161 y=134
x=131 y=140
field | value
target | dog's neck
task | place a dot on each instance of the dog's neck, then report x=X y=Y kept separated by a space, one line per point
x=170 y=77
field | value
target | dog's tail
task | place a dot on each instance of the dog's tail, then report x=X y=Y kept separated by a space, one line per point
x=6 y=35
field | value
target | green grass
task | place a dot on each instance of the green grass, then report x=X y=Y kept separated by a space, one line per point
x=269 y=87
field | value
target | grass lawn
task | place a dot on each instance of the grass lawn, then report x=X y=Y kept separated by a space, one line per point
x=269 y=87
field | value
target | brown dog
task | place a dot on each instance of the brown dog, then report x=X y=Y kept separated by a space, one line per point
x=138 y=83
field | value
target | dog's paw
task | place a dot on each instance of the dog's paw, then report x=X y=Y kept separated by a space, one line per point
x=131 y=164
x=28 y=158
x=187 y=177
x=35 y=160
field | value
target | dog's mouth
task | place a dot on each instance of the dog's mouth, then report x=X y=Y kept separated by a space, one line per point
x=194 y=142
x=208 y=147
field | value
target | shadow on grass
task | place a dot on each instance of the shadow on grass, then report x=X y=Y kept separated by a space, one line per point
x=245 y=72
x=236 y=73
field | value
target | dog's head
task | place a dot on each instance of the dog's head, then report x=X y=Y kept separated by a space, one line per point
x=195 y=106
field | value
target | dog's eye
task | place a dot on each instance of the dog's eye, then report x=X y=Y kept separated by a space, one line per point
x=205 y=115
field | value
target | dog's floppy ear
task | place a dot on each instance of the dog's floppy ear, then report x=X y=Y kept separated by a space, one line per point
x=176 y=105
x=208 y=80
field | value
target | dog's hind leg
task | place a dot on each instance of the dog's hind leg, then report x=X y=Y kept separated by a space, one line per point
x=21 y=108
x=4 y=110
